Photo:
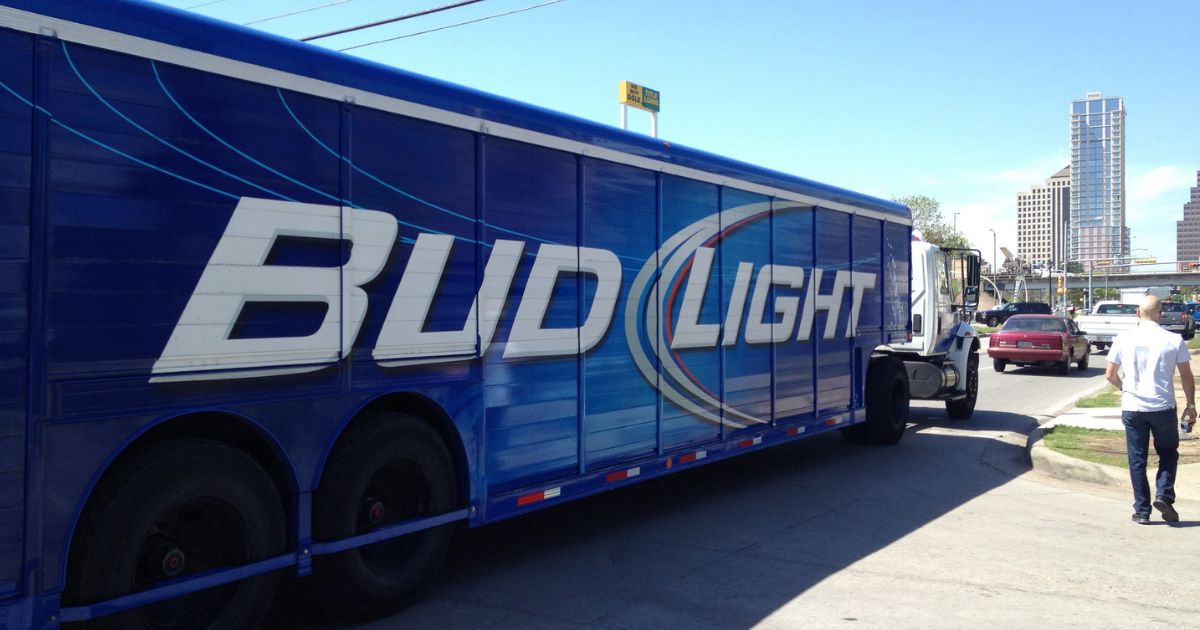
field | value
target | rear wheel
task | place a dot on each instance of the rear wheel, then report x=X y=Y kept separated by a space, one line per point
x=993 y=322
x=887 y=404
x=1083 y=361
x=1064 y=367
x=962 y=408
x=392 y=469
x=999 y=364
x=187 y=507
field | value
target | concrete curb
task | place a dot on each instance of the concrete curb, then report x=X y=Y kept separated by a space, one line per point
x=1046 y=460
x=1049 y=461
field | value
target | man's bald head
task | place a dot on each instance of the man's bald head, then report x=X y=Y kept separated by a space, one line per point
x=1151 y=308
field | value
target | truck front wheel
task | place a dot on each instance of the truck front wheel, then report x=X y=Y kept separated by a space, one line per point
x=187 y=507
x=392 y=469
x=962 y=408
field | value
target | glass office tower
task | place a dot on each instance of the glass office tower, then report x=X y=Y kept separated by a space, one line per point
x=1098 y=232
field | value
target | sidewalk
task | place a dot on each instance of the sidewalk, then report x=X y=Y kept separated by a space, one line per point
x=1056 y=464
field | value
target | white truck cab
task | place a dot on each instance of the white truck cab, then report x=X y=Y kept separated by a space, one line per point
x=942 y=356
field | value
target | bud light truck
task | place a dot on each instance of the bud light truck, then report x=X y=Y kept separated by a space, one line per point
x=267 y=309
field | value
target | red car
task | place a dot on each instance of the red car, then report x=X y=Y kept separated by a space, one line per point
x=1039 y=340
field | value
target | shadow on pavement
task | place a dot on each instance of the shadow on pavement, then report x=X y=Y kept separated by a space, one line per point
x=721 y=546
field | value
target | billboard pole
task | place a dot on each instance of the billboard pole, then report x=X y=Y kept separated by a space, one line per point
x=643 y=98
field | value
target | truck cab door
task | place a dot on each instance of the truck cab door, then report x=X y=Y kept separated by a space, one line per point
x=947 y=317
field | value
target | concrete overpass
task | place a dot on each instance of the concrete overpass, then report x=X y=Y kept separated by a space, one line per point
x=1006 y=283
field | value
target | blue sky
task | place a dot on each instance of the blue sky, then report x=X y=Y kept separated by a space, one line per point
x=966 y=102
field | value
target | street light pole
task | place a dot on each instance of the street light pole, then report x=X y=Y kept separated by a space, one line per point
x=995 y=261
x=995 y=266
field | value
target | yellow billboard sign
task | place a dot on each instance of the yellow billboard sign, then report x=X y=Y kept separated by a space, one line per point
x=638 y=96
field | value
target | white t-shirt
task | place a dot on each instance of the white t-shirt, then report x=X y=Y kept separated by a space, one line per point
x=1147 y=355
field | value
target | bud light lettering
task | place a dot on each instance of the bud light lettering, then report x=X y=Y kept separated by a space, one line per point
x=202 y=344
x=689 y=251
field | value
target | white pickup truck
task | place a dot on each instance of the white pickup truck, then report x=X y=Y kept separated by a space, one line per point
x=1107 y=320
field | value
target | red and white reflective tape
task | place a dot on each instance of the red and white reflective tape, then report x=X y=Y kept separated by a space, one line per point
x=752 y=442
x=836 y=420
x=623 y=474
x=535 y=497
x=795 y=431
x=691 y=457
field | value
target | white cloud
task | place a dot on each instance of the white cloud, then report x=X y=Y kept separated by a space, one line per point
x=1022 y=178
x=977 y=219
x=1166 y=184
x=1155 y=199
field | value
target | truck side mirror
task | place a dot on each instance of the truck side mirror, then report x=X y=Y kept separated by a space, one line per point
x=973 y=270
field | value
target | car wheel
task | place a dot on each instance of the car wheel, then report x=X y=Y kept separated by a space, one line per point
x=1064 y=367
x=999 y=364
x=1083 y=360
x=993 y=321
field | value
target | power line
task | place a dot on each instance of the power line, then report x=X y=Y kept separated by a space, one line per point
x=203 y=4
x=390 y=20
x=442 y=28
x=276 y=17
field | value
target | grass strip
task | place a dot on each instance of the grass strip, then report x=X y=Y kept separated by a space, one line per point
x=1107 y=398
x=1080 y=443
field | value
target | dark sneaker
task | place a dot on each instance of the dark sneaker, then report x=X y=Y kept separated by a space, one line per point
x=1168 y=511
x=1141 y=519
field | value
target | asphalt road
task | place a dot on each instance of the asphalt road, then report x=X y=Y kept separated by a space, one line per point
x=948 y=529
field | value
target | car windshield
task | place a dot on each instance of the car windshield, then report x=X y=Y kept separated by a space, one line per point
x=1174 y=307
x=1117 y=309
x=1034 y=324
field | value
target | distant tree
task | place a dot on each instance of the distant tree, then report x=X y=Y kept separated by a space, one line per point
x=927 y=217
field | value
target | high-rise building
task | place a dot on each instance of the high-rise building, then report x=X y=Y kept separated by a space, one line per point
x=1187 y=231
x=1042 y=220
x=1098 y=230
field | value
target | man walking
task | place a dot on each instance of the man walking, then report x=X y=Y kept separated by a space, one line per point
x=1142 y=364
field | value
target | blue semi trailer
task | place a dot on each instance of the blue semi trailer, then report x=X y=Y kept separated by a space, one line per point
x=265 y=308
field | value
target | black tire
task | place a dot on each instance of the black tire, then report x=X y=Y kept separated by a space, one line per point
x=993 y=322
x=1064 y=367
x=391 y=469
x=185 y=507
x=962 y=408
x=1083 y=361
x=999 y=364
x=887 y=403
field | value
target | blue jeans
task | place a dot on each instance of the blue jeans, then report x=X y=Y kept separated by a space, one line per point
x=1139 y=426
